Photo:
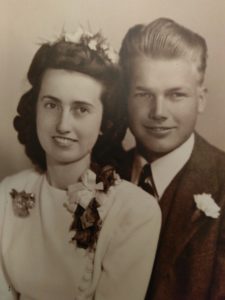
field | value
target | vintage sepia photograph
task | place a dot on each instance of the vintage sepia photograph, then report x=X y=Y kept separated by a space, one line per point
x=112 y=177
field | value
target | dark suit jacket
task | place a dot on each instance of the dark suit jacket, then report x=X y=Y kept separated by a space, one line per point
x=190 y=261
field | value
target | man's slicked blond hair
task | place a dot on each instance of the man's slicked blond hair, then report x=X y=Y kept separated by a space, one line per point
x=163 y=38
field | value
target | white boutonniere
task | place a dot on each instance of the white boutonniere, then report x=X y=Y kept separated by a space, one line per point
x=206 y=203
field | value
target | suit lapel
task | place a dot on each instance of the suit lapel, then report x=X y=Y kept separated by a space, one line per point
x=178 y=205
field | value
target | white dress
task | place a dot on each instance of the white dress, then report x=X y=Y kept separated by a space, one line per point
x=39 y=261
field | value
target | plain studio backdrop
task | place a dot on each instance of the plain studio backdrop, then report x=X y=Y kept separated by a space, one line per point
x=25 y=24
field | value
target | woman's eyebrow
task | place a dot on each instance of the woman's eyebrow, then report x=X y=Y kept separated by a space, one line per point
x=81 y=102
x=51 y=98
x=73 y=103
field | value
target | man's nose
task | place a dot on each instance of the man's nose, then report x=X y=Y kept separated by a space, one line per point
x=158 y=108
x=63 y=122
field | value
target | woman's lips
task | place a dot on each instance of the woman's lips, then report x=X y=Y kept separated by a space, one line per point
x=64 y=141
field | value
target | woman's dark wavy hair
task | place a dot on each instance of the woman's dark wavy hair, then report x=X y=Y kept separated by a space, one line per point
x=80 y=58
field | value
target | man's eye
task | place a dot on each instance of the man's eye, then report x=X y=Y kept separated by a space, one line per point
x=178 y=95
x=143 y=95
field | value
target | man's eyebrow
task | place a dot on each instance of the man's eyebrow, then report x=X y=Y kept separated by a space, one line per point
x=142 y=88
x=178 y=88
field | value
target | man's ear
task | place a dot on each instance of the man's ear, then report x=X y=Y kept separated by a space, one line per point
x=202 y=93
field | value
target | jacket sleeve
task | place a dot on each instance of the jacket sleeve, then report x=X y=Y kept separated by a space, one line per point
x=6 y=289
x=128 y=261
x=218 y=283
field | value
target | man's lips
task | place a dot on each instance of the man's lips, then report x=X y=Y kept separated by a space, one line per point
x=64 y=141
x=160 y=127
x=160 y=130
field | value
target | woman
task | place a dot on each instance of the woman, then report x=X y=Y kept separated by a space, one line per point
x=70 y=228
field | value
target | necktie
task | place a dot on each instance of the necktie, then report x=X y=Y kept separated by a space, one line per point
x=146 y=181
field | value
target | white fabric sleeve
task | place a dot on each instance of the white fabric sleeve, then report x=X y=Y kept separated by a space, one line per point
x=128 y=262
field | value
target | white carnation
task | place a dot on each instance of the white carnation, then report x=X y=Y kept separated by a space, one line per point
x=206 y=204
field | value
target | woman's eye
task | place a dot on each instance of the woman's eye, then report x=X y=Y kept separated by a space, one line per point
x=81 y=110
x=50 y=105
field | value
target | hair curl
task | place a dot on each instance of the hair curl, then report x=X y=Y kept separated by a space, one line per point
x=79 y=58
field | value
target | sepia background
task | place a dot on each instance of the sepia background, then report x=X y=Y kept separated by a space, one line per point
x=25 y=24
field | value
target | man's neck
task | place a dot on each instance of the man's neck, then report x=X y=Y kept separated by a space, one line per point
x=165 y=167
x=149 y=156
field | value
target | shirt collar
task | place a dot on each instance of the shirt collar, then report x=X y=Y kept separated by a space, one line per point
x=165 y=168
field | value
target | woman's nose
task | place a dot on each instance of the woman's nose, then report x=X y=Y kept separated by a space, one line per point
x=63 y=122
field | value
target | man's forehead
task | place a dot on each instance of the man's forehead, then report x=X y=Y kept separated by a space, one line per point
x=161 y=69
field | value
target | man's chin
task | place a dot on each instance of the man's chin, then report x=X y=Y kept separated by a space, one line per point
x=152 y=152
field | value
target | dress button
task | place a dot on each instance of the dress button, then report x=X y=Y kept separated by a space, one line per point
x=89 y=268
x=84 y=284
x=81 y=288
x=91 y=255
x=87 y=276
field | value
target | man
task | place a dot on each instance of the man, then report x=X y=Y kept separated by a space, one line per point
x=163 y=66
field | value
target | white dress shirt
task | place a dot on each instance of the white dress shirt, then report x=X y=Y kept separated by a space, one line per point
x=165 y=168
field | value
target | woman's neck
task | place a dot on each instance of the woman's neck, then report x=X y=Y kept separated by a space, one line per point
x=63 y=175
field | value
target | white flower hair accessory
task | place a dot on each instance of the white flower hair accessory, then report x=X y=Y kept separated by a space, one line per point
x=94 y=41
x=206 y=203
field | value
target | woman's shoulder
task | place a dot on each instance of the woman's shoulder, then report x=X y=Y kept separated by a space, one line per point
x=133 y=191
x=135 y=199
x=20 y=180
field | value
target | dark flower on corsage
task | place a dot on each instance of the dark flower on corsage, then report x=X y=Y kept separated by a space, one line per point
x=87 y=224
x=108 y=177
x=85 y=199
x=22 y=202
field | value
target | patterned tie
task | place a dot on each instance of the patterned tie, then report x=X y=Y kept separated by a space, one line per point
x=146 y=181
